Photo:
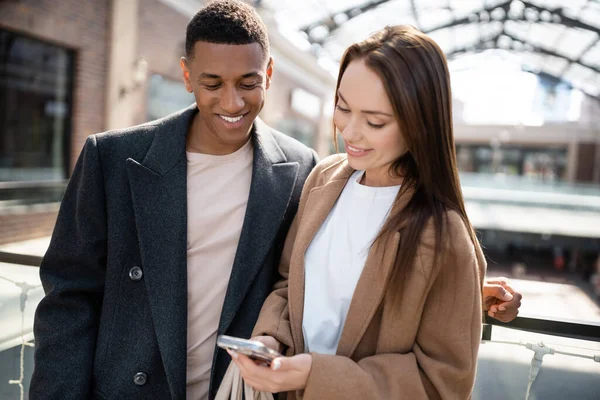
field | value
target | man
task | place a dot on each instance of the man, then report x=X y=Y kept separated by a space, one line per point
x=170 y=232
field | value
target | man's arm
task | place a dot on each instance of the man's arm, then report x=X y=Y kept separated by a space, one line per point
x=72 y=273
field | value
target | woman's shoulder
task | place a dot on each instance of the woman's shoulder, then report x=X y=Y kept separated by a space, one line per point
x=332 y=161
x=328 y=168
x=455 y=233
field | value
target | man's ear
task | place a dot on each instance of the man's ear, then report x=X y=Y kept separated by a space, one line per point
x=183 y=62
x=269 y=71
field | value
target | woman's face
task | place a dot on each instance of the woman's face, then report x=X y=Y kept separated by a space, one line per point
x=365 y=118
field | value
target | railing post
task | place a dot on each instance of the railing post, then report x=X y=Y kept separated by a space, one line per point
x=486 y=334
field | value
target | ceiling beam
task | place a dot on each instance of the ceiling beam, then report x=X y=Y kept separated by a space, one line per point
x=564 y=20
x=480 y=46
x=350 y=13
x=413 y=7
x=541 y=50
x=465 y=20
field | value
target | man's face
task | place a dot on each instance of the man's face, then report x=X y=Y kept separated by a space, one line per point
x=229 y=83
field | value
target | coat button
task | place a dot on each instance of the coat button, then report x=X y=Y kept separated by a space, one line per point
x=135 y=273
x=140 y=379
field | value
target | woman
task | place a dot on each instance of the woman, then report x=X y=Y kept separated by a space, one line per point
x=384 y=273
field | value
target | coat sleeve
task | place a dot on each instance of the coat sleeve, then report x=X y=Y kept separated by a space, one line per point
x=443 y=359
x=72 y=273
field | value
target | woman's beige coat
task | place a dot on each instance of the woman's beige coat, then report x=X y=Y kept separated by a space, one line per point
x=426 y=349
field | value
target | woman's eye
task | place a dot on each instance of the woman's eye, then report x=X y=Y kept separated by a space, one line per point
x=344 y=110
x=212 y=87
x=249 y=86
x=375 y=125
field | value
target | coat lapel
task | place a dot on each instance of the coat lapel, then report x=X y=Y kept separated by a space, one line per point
x=372 y=283
x=368 y=294
x=273 y=182
x=318 y=206
x=159 y=193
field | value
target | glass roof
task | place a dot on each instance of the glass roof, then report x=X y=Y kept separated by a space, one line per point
x=559 y=40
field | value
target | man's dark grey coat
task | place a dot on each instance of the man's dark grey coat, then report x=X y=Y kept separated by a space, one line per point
x=113 y=324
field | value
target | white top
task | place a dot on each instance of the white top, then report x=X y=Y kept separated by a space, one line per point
x=217 y=196
x=335 y=259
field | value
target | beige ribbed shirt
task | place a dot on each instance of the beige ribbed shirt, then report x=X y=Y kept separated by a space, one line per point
x=217 y=196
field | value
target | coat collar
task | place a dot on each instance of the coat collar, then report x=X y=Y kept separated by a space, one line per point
x=168 y=146
x=372 y=283
x=158 y=181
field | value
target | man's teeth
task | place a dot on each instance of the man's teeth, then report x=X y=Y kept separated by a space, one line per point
x=232 y=120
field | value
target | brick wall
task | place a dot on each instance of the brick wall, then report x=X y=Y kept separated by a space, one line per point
x=161 y=37
x=83 y=27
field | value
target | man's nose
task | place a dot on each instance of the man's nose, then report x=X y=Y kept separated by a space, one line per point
x=231 y=102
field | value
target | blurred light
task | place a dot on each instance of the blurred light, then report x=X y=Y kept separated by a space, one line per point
x=517 y=45
x=575 y=103
x=514 y=15
x=546 y=16
x=517 y=6
x=340 y=18
x=531 y=14
x=498 y=14
x=516 y=9
x=484 y=16
x=319 y=33
x=504 y=42
x=556 y=19
x=495 y=90
x=315 y=48
x=296 y=37
x=473 y=18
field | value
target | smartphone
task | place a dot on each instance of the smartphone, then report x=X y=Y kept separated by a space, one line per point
x=251 y=348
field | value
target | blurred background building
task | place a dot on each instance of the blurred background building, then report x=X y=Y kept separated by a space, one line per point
x=526 y=86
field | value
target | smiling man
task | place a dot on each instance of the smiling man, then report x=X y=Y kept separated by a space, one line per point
x=170 y=232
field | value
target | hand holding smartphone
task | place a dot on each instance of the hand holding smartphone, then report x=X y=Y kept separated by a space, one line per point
x=251 y=348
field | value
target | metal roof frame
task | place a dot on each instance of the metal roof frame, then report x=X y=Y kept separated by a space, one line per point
x=558 y=17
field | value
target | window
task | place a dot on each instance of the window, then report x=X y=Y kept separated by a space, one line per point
x=35 y=109
x=166 y=96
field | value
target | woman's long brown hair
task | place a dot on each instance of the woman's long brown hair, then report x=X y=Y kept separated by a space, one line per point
x=417 y=81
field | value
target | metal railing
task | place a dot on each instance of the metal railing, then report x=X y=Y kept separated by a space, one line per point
x=555 y=327
x=26 y=193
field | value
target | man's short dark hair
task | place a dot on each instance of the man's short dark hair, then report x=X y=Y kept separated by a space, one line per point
x=226 y=22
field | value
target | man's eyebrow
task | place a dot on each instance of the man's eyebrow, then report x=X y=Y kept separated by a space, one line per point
x=251 y=75
x=206 y=75
x=370 y=112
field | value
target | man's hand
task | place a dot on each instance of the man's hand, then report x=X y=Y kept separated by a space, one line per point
x=500 y=299
x=285 y=373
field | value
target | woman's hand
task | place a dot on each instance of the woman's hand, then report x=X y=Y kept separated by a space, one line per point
x=285 y=373
x=270 y=342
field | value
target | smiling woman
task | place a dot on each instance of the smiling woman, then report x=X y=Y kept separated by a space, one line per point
x=381 y=251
